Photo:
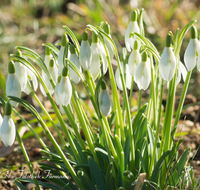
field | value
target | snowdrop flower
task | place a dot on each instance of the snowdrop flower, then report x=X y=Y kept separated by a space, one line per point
x=181 y=70
x=107 y=42
x=21 y=72
x=54 y=74
x=64 y=88
x=85 y=54
x=74 y=58
x=105 y=103
x=32 y=77
x=132 y=27
x=104 y=60
x=134 y=59
x=7 y=130
x=47 y=57
x=95 y=64
x=167 y=63
x=143 y=73
x=118 y=77
x=191 y=52
x=56 y=93
x=13 y=87
x=61 y=54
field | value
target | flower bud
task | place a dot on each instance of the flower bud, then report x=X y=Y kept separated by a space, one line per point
x=192 y=50
x=132 y=27
x=7 y=129
x=74 y=58
x=143 y=73
x=134 y=59
x=167 y=63
x=105 y=103
x=13 y=87
x=85 y=54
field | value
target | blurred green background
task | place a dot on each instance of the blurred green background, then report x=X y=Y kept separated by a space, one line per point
x=33 y=22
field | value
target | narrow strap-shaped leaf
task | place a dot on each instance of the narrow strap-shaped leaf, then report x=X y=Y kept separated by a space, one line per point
x=73 y=38
x=96 y=174
x=109 y=178
x=22 y=187
x=158 y=167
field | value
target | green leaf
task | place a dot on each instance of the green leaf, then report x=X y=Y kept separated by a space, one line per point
x=128 y=179
x=158 y=167
x=44 y=184
x=73 y=38
x=112 y=119
x=22 y=187
x=97 y=94
x=2 y=82
x=85 y=180
x=96 y=174
x=109 y=178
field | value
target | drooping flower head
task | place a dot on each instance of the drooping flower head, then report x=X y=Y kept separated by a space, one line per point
x=64 y=88
x=125 y=72
x=132 y=27
x=134 y=59
x=191 y=52
x=7 y=130
x=13 y=87
x=74 y=58
x=167 y=65
x=105 y=103
x=95 y=64
x=21 y=72
x=143 y=73
x=85 y=54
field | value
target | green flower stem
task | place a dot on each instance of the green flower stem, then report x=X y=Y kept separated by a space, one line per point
x=149 y=108
x=71 y=118
x=32 y=130
x=169 y=112
x=139 y=100
x=64 y=127
x=92 y=87
x=78 y=110
x=180 y=106
x=157 y=130
x=60 y=152
x=27 y=160
x=153 y=91
x=109 y=144
x=48 y=116
x=131 y=91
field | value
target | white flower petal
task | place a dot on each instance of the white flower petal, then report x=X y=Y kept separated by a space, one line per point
x=85 y=55
x=183 y=70
x=8 y=131
x=64 y=91
x=129 y=41
x=167 y=64
x=102 y=53
x=105 y=103
x=133 y=61
x=21 y=73
x=33 y=79
x=13 y=87
x=110 y=50
x=190 y=54
x=75 y=78
x=143 y=75
x=60 y=60
x=95 y=64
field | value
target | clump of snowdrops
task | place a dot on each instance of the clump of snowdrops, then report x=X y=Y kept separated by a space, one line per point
x=127 y=150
